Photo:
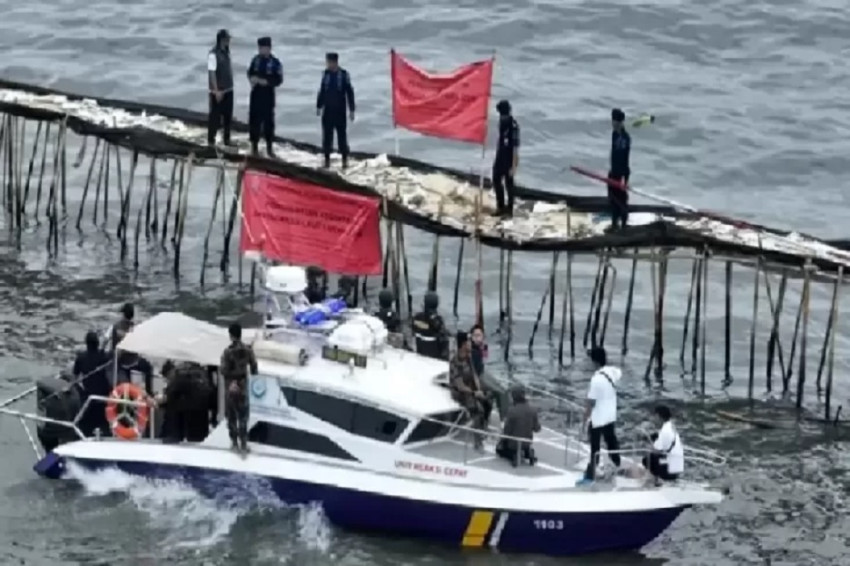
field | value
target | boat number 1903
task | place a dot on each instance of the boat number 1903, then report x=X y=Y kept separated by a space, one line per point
x=548 y=524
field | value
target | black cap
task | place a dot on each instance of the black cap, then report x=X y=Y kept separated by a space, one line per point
x=332 y=57
x=617 y=115
x=503 y=107
x=264 y=42
x=128 y=310
x=222 y=34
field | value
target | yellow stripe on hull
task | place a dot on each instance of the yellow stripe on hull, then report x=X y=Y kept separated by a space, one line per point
x=478 y=528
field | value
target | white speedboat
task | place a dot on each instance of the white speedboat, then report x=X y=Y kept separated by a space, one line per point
x=372 y=434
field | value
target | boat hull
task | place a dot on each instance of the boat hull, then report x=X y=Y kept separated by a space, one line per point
x=551 y=533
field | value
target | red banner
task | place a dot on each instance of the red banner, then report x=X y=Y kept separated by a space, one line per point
x=452 y=106
x=305 y=224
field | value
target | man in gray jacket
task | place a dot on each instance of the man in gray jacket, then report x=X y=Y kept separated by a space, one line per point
x=221 y=88
x=522 y=421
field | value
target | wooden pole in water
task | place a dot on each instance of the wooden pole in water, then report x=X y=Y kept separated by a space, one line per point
x=629 y=301
x=88 y=181
x=773 y=343
x=659 y=326
x=688 y=314
x=406 y=272
x=801 y=373
x=9 y=160
x=388 y=247
x=231 y=222
x=32 y=163
x=64 y=166
x=753 y=325
x=148 y=199
x=698 y=314
x=564 y=311
x=596 y=281
x=219 y=188
x=786 y=379
x=104 y=157
x=704 y=330
x=568 y=296
x=654 y=290
x=827 y=337
x=124 y=221
x=829 y=371
x=155 y=192
x=552 y=292
x=184 y=205
x=435 y=254
x=509 y=302
x=546 y=292
x=600 y=296
x=609 y=302
x=107 y=155
x=501 y=286
x=42 y=169
x=176 y=179
x=18 y=205
x=457 y=276
x=727 y=350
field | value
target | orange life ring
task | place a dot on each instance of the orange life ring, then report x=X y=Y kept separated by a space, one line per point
x=127 y=421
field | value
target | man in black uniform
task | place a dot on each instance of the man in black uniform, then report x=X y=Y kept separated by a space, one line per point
x=221 y=88
x=186 y=402
x=429 y=329
x=265 y=74
x=621 y=144
x=386 y=312
x=236 y=361
x=506 y=161
x=335 y=95
x=90 y=372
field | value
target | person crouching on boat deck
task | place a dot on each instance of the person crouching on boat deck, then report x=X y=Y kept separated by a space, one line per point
x=522 y=421
x=236 y=361
x=429 y=329
x=185 y=400
x=466 y=389
x=496 y=392
x=667 y=459
x=221 y=88
x=265 y=73
x=621 y=145
x=90 y=372
x=601 y=412
x=506 y=160
x=335 y=96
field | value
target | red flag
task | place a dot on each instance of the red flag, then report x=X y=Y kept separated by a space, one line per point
x=452 y=106
x=306 y=224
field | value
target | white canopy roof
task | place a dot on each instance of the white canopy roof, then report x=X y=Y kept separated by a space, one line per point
x=173 y=335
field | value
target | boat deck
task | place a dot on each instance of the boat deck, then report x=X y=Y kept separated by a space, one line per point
x=549 y=447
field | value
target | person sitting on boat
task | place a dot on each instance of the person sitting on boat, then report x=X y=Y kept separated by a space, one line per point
x=236 y=361
x=601 y=412
x=185 y=401
x=346 y=288
x=429 y=329
x=496 y=392
x=466 y=389
x=90 y=374
x=317 y=284
x=667 y=459
x=522 y=421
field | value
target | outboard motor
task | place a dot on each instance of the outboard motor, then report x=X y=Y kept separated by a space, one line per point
x=59 y=400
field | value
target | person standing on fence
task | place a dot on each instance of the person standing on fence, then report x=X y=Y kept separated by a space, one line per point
x=236 y=361
x=621 y=145
x=221 y=88
x=265 y=73
x=336 y=95
x=601 y=413
x=506 y=160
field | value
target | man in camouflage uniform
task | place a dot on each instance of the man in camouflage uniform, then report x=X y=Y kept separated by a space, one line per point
x=466 y=389
x=236 y=361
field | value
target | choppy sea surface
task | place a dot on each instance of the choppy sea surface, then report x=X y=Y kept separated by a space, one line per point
x=752 y=120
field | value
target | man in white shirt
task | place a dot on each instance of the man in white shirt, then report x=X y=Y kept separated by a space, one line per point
x=667 y=459
x=601 y=412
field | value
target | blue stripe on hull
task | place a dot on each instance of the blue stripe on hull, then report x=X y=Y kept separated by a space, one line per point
x=537 y=533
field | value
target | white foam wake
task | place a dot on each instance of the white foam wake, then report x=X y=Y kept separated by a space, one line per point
x=193 y=521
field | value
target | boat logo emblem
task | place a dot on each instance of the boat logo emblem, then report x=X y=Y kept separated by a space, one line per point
x=258 y=387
